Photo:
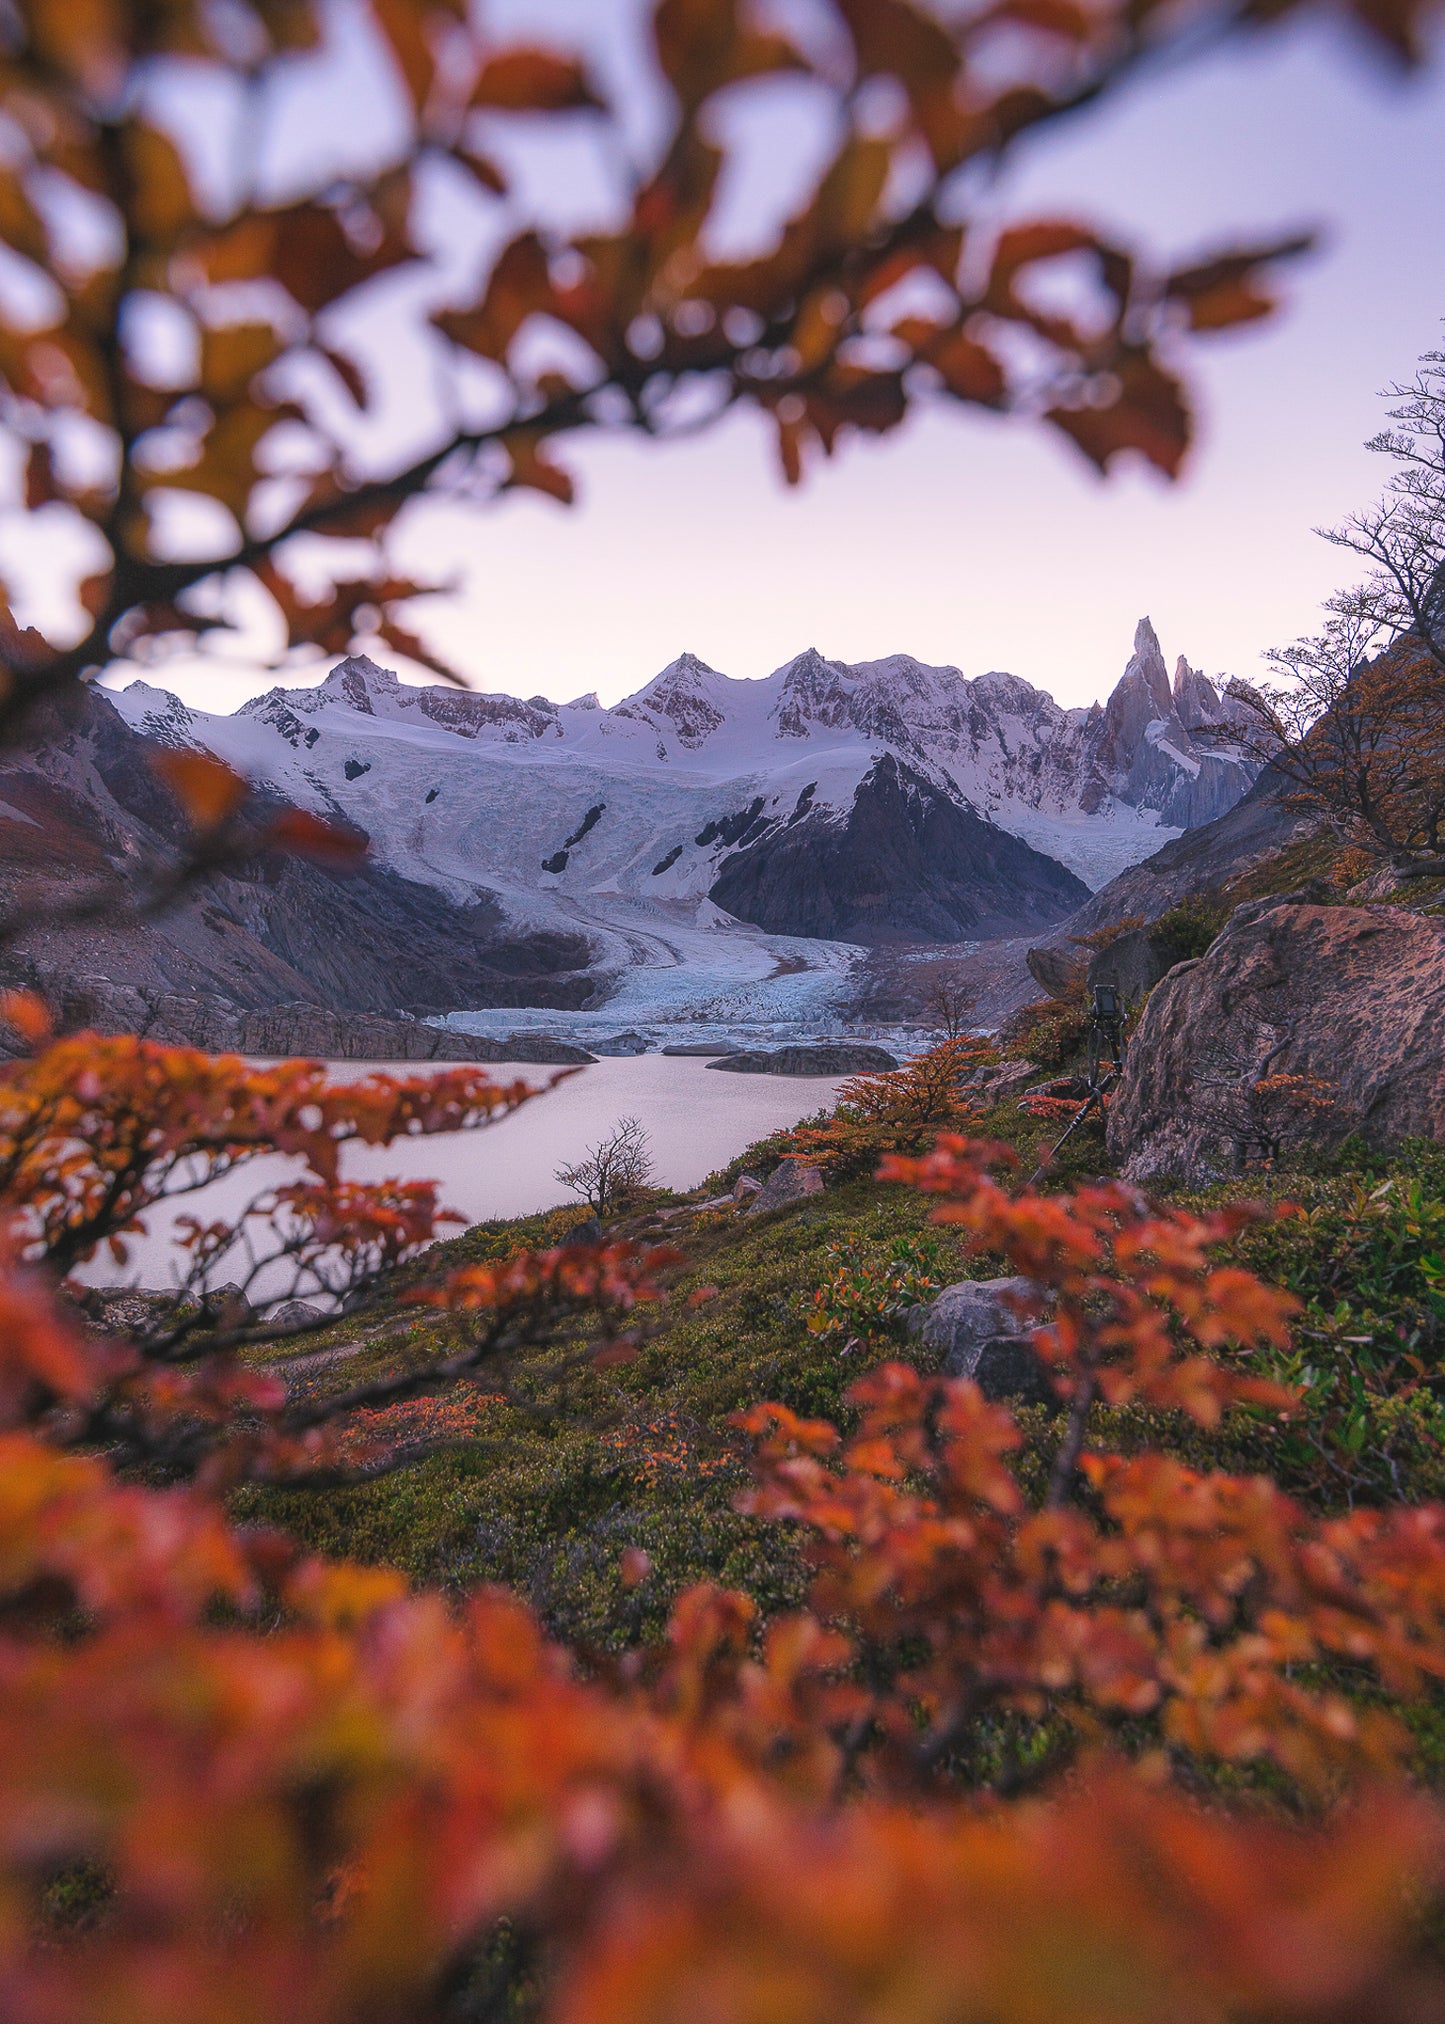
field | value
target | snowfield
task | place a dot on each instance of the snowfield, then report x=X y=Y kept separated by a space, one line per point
x=615 y=822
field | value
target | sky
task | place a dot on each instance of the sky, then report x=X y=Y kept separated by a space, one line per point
x=981 y=543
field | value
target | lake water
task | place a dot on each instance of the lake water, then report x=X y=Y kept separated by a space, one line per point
x=697 y=1119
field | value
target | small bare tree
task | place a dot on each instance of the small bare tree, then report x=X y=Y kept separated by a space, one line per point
x=1402 y=537
x=614 y=1171
x=1255 y=1107
x=1357 y=725
x=947 y=1009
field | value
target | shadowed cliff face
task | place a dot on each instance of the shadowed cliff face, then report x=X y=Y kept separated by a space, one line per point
x=86 y=811
x=905 y=864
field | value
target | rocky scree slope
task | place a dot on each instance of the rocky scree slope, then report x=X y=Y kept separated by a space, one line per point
x=83 y=816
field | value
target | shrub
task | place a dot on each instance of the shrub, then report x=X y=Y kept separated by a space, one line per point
x=901 y=1110
x=870 y=1297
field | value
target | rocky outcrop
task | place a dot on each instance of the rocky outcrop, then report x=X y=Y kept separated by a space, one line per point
x=1161 y=747
x=1302 y=1023
x=978 y=1329
x=828 y=1058
x=220 y=1027
x=1132 y=964
x=906 y=863
x=792 y=1182
x=1057 y=968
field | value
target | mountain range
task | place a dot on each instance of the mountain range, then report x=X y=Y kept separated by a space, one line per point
x=708 y=834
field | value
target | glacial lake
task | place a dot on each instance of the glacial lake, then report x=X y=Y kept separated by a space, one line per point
x=697 y=1119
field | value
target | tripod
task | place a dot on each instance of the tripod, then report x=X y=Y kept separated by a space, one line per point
x=1107 y=1014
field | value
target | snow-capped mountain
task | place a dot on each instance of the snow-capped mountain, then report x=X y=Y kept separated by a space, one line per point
x=880 y=803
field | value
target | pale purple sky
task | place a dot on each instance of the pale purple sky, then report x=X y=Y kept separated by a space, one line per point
x=962 y=539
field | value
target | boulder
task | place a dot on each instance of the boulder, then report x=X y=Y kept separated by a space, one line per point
x=979 y=1332
x=704 y=1049
x=580 y=1234
x=1133 y=963
x=1057 y=970
x=791 y=1183
x=1350 y=1001
x=294 y=1314
x=745 y=1186
x=1005 y=1080
x=621 y=1043
x=827 y=1058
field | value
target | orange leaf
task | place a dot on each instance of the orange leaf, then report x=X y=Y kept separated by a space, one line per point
x=533 y=80
x=308 y=835
x=205 y=786
x=27 y=1014
x=532 y=469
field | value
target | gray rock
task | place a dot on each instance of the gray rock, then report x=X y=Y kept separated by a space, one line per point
x=791 y=1183
x=622 y=1043
x=745 y=1186
x=1133 y=963
x=589 y=1232
x=980 y=1334
x=704 y=1049
x=294 y=1314
x=132 y=1310
x=828 y=1058
x=1056 y=969
x=1347 y=1002
x=1008 y=1079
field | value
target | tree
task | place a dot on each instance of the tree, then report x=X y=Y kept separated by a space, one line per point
x=947 y=1008
x=191 y=392
x=1402 y=537
x=899 y=1110
x=614 y=1171
x=1357 y=727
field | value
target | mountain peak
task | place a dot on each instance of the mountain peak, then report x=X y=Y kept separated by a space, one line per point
x=358 y=680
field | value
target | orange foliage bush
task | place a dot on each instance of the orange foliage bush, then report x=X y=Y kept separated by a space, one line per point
x=281 y=1789
x=900 y=1110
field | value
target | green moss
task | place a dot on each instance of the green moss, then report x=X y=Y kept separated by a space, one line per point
x=560 y=1483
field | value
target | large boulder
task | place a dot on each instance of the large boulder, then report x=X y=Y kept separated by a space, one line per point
x=1058 y=970
x=827 y=1058
x=791 y=1182
x=1301 y=1023
x=1133 y=963
x=979 y=1329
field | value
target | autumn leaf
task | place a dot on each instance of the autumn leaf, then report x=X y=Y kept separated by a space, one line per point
x=162 y=203
x=207 y=789
x=534 y=80
x=520 y=285
x=231 y=356
x=533 y=470
x=1148 y=414
x=28 y=1015
x=306 y=835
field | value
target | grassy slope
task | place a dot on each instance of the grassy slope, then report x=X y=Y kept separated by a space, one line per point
x=550 y=1491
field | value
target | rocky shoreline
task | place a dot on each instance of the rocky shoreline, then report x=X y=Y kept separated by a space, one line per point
x=214 y=1023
